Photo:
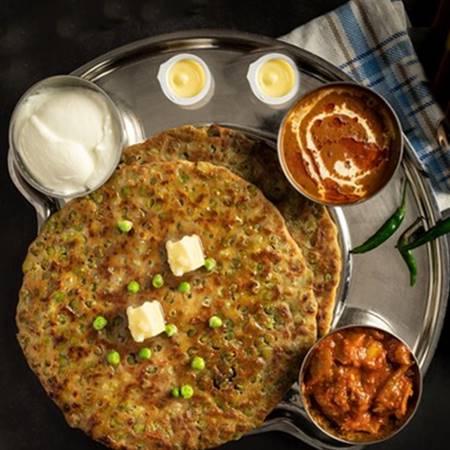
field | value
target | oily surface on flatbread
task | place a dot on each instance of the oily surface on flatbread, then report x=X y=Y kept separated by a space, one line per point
x=80 y=264
x=310 y=224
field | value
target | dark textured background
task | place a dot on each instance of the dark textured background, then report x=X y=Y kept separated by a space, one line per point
x=43 y=38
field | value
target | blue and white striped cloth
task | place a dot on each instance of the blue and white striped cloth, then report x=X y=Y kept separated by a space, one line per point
x=368 y=39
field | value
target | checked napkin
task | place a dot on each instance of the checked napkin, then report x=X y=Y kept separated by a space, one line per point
x=368 y=39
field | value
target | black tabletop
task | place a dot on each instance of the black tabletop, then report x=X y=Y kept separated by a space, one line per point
x=39 y=39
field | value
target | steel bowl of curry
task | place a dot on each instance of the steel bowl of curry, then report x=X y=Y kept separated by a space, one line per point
x=360 y=384
x=340 y=144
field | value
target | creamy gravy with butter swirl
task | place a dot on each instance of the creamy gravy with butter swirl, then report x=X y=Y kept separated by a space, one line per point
x=336 y=144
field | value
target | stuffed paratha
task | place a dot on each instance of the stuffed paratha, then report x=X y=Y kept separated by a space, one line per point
x=79 y=266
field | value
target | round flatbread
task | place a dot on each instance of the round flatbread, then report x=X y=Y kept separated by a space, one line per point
x=310 y=224
x=79 y=267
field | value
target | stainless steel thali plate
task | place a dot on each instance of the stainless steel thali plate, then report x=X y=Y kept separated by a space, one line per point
x=374 y=287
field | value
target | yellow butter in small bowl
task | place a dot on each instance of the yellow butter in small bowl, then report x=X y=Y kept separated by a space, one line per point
x=186 y=80
x=274 y=79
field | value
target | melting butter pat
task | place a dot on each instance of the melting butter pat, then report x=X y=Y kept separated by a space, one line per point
x=146 y=321
x=185 y=255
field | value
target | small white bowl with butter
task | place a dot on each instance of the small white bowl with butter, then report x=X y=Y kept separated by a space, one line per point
x=186 y=80
x=66 y=136
x=274 y=79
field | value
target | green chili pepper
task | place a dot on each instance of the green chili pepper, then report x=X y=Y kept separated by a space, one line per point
x=387 y=229
x=408 y=255
x=410 y=261
x=442 y=227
